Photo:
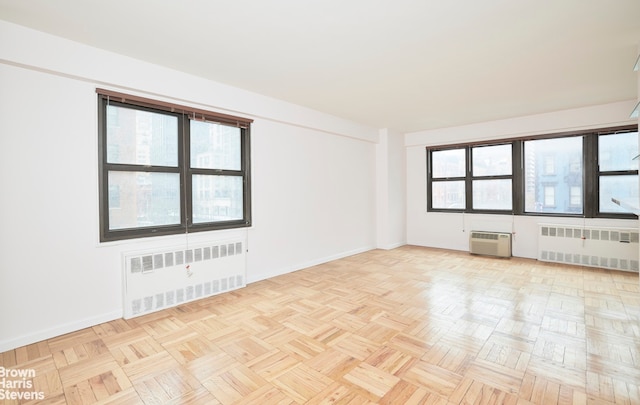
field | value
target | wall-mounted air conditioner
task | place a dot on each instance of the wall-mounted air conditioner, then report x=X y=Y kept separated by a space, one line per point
x=490 y=243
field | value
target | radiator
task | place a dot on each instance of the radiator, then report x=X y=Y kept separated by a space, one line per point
x=155 y=280
x=490 y=243
x=610 y=248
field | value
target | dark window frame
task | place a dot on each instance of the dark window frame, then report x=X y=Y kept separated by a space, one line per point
x=184 y=116
x=548 y=178
x=590 y=169
x=474 y=177
x=468 y=178
x=431 y=180
x=604 y=173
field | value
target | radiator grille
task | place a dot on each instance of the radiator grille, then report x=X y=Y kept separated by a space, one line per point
x=170 y=277
x=609 y=248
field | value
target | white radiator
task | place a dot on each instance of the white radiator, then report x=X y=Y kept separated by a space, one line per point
x=156 y=280
x=610 y=248
x=490 y=243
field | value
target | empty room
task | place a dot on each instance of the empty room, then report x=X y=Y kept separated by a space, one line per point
x=289 y=202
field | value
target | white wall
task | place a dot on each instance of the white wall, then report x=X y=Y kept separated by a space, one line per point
x=313 y=198
x=391 y=190
x=450 y=230
x=313 y=179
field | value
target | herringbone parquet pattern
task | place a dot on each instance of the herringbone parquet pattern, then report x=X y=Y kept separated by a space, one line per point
x=407 y=326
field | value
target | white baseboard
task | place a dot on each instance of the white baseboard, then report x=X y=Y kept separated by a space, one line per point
x=12 y=343
x=252 y=278
x=392 y=246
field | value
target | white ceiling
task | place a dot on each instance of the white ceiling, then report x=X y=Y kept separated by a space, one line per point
x=406 y=65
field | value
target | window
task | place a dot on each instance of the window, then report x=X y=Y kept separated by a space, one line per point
x=491 y=177
x=549 y=164
x=552 y=162
x=167 y=169
x=563 y=175
x=617 y=169
x=549 y=196
x=575 y=197
x=483 y=185
x=449 y=172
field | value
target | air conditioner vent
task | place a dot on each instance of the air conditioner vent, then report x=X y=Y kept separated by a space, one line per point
x=484 y=235
x=490 y=243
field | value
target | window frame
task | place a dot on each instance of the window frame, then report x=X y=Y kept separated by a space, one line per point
x=547 y=177
x=589 y=167
x=469 y=177
x=449 y=179
x=605 y=173
x=476 y=177
x=184 y=117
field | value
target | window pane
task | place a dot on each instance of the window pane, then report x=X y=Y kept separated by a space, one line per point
x=619 y=187
x=448 y=194
x=142 y=199
x=492 y=160
x=549 y=196
x=616 y=151
x=141 y=137
x=576 y=195
x=448 y=163
x=549 y=164
x=552 y=167
x=215 y=146
x=217 y=198
x=492 y=194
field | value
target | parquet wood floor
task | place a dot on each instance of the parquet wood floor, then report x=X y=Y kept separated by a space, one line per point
x=408 y=326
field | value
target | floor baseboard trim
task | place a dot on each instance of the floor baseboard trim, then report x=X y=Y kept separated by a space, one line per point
x=12 y=343
x=304 y=265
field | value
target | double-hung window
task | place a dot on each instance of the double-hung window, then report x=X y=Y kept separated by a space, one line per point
x=617 y=170
x=167 y=169
x=471 y=178
x=553 y=175
x=448 y=170
x=491 y=177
